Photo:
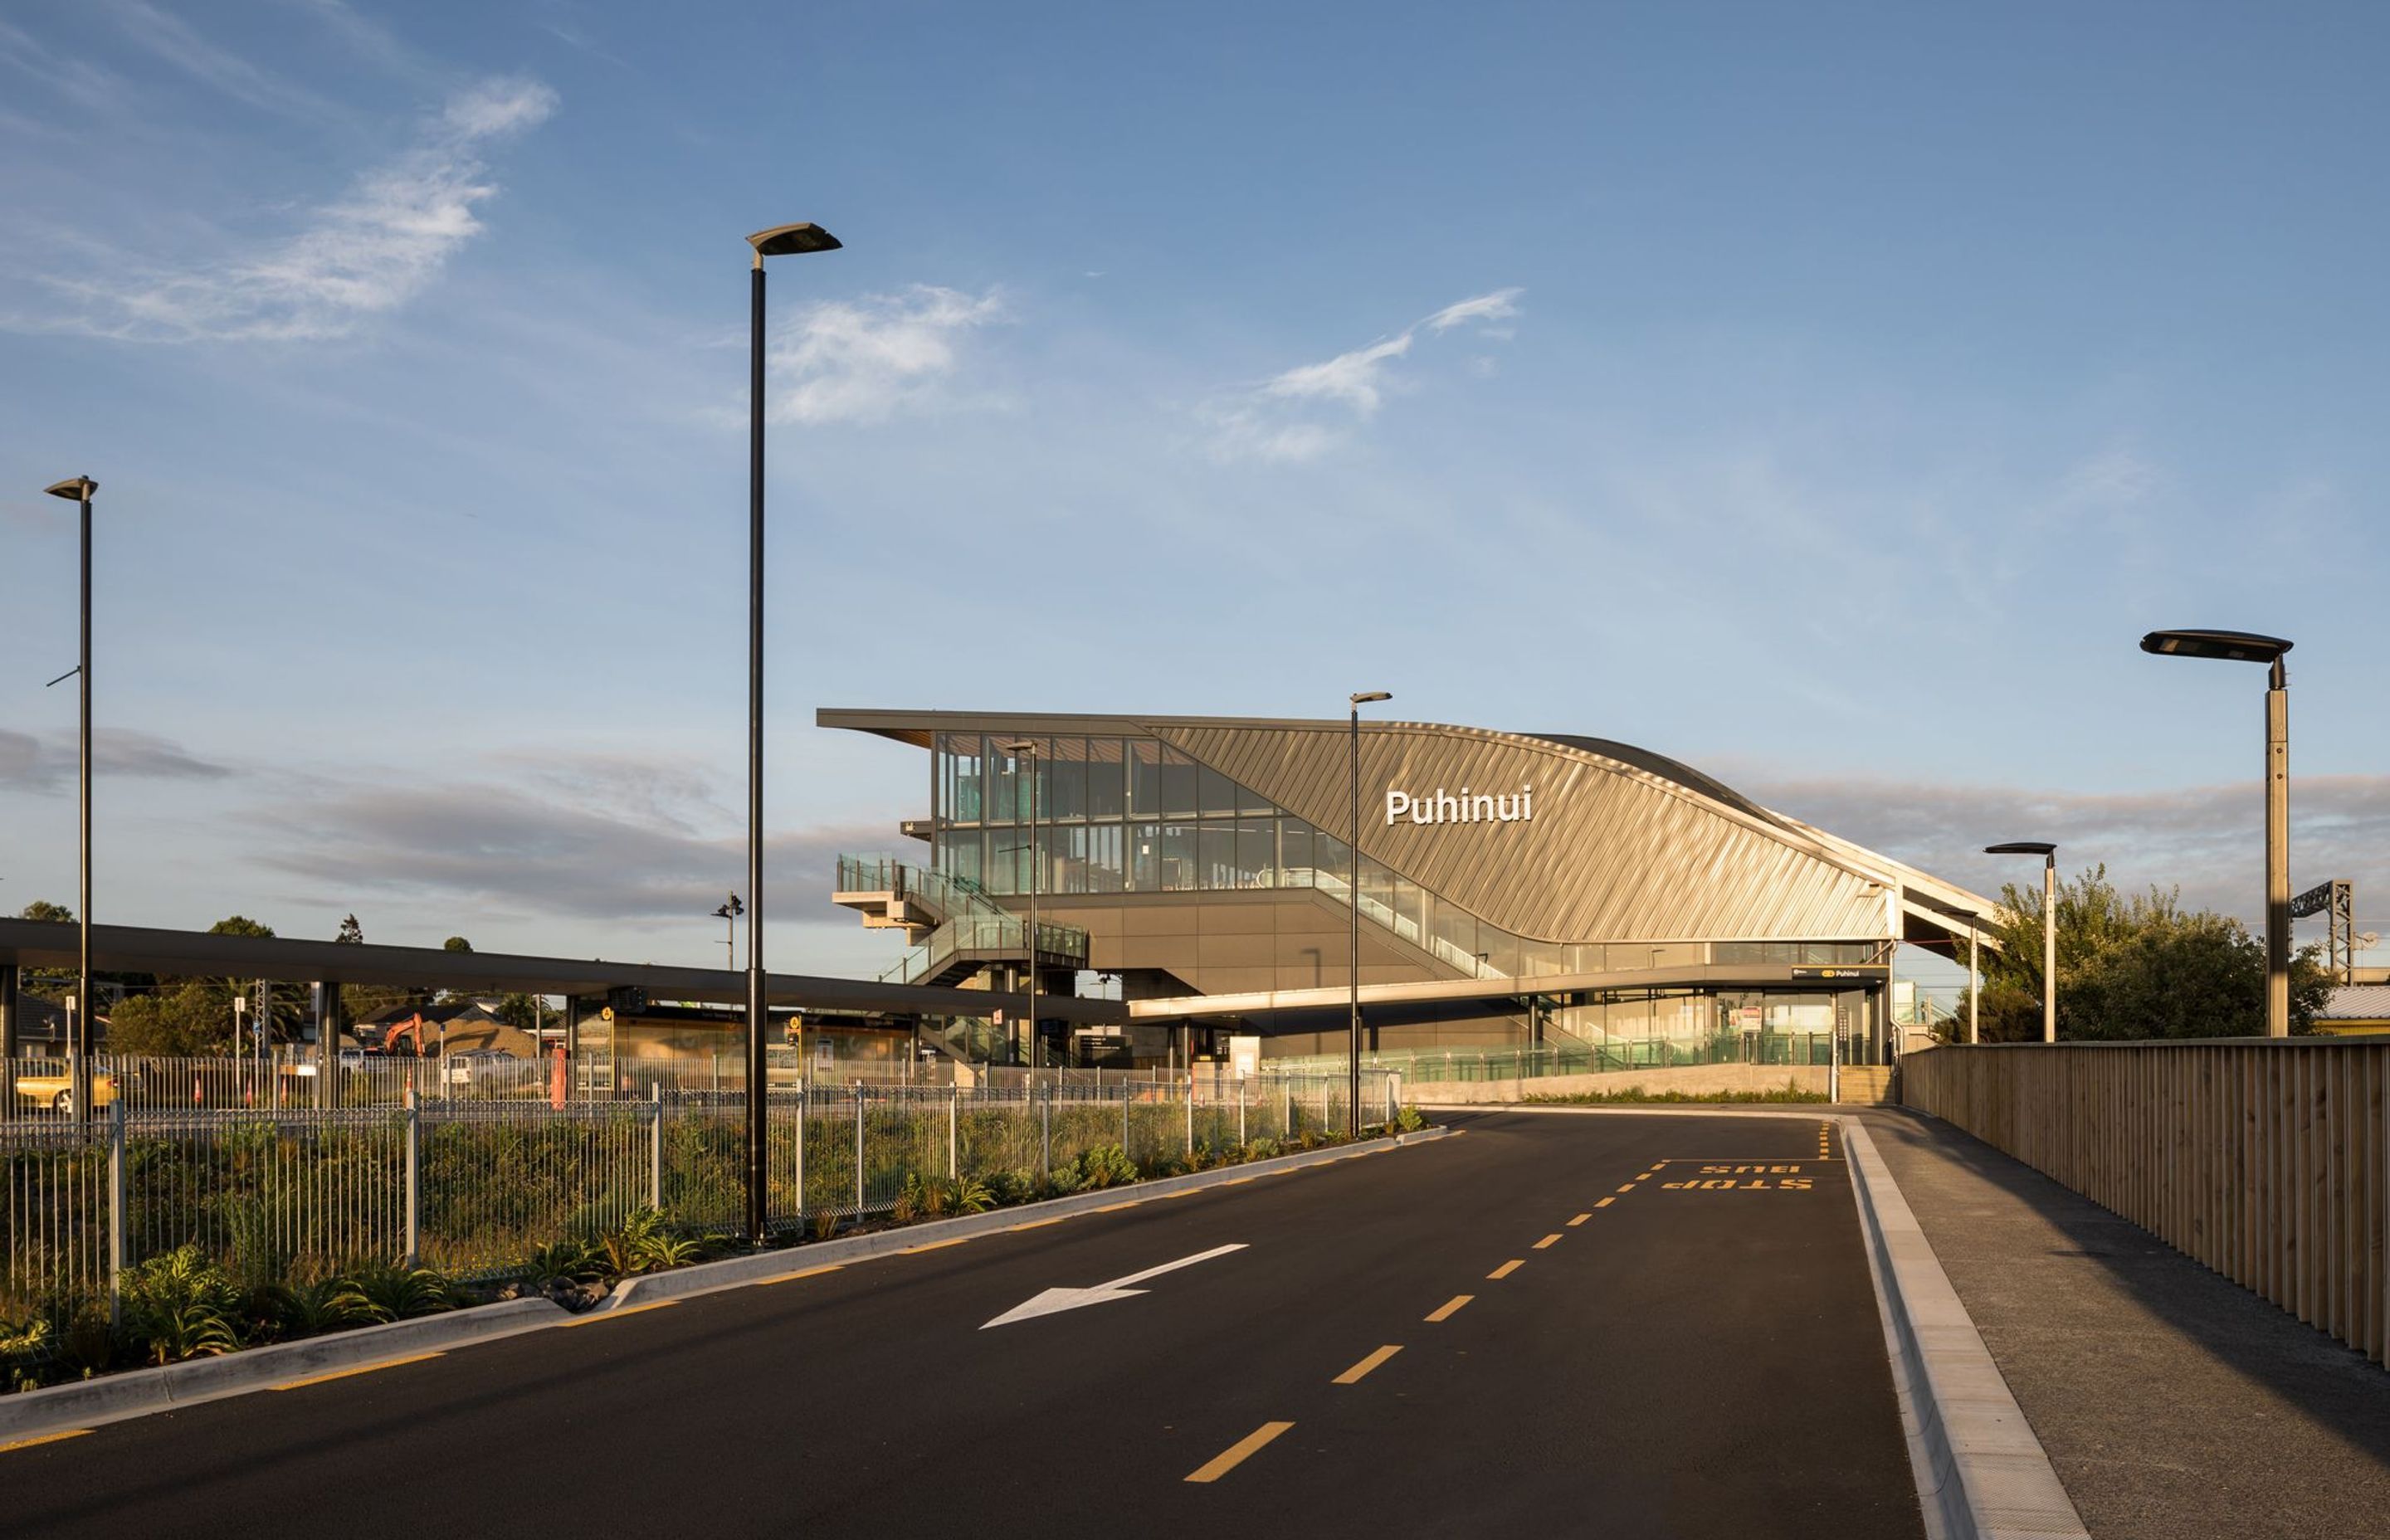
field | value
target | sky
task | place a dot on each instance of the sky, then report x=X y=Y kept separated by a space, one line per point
x=1827 y=396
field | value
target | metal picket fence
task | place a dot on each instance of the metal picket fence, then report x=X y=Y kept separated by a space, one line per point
x=471 y=1187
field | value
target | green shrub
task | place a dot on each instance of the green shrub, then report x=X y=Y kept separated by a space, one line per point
x=1108 y=1165
x=181 y=1305
x=1410 y=1121
x=1016 y=1184
x=25 y=1350
x=309 y=1309
x=394 y=1292
x=573 y=1261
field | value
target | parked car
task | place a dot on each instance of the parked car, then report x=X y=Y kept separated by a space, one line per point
x=459 y=1068
x=55 y=1090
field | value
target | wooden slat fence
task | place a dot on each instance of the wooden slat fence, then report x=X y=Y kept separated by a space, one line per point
x=2268 y=1161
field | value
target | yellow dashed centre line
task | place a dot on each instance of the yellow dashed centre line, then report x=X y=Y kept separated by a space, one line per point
x=1352 y=1375
x=1628 y=1188
x=43 y=1438
x=1603 y=1202
x=362 y=1368
x=1549 y=1242
x=1450 y=1307
x=1238 y=1453
x=1508 y=1268
x=1579 y=1220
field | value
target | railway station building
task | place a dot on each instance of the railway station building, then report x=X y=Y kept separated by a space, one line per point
x=1515 y=890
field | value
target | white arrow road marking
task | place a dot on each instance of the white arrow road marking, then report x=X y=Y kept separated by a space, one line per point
x=1054 y=1300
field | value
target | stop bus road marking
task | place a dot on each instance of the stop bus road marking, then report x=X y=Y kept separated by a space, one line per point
x=1743 y=1178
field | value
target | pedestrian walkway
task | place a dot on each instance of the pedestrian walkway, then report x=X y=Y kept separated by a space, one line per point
x=2172 y=1402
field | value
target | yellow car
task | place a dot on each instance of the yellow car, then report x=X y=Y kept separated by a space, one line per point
x=55 y=1090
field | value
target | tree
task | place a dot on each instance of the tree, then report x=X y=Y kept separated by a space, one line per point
x=181 y=1018
x=352 y=933
x=48 y=912
x=2135 y=968
x=241 y=924
x=455 y=944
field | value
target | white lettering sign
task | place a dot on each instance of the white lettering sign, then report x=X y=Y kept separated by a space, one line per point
x=1444 y=807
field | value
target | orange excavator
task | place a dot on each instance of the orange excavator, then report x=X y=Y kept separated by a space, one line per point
x=396 y=1029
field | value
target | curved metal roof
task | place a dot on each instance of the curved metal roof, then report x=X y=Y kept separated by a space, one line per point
x=1649 y=848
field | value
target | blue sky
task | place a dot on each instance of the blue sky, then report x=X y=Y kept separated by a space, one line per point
x=1828 y=396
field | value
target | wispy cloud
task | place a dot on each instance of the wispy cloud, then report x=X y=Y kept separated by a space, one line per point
x=30 y=764
x=79 y=81
x=365 y=254
x=864 y=360
x=1501 y=305
x=605 y=838
x=2207 y=840
x=185 y=48
x=1277 y=419
x=1352 y=377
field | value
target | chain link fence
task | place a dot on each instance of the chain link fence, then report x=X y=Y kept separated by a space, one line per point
x=293 y=1194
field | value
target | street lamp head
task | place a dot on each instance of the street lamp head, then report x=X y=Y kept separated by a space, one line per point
x=2023 y=847
x=791 y=240
x=2235 y=647
x=1367 y=696
x=74 y=489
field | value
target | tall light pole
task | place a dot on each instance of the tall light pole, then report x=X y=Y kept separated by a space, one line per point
x=2049 y=853
x=1353 y=892
x=1025 y=751
x=779 y=241
x=78 y=490
x=2246 y=646
x=729 y=912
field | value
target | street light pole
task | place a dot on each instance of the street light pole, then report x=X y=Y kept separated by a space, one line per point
x=1025 y=751
x=2278 y=851
x=2246 y=647
x=78 y=490
x=2049 y=853
x=1353 y=892
x=729 y=912
x=781 y=240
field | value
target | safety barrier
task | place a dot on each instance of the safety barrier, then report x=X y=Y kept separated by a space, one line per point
x=2266 y=1160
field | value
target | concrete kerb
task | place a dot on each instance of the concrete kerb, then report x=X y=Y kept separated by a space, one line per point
x=1980 y=1470
x=1981 y=1473
x=768 y=1266
x=139 y=1393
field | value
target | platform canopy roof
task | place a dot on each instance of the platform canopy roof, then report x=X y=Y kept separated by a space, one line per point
x=134 y=949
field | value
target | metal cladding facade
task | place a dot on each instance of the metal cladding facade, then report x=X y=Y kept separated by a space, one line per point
x=1613 y=851
x=1623 y=845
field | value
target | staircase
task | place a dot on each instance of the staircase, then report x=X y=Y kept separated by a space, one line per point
x=958 y=926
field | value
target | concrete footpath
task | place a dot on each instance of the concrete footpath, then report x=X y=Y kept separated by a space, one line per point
x=2172 y=1402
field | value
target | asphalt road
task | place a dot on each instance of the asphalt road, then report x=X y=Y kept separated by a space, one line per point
x=1681 y=1340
